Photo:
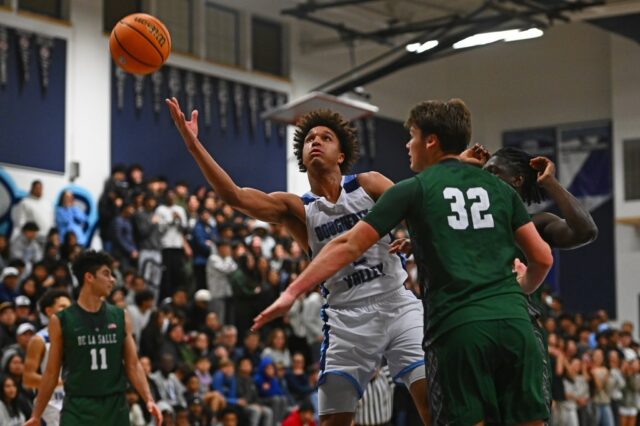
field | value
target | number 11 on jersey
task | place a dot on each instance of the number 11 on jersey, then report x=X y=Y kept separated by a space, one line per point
x=103 y=359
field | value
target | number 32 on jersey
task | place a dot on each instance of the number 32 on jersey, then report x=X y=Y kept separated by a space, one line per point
x=478 y=198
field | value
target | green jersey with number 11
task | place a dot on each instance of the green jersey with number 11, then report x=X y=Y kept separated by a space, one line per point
x=93 y=344
x=462 y=222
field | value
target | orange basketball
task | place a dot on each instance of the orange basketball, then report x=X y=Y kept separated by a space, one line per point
x=140 y=43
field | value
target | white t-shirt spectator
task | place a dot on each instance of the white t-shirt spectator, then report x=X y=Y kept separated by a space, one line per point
x=172 y=221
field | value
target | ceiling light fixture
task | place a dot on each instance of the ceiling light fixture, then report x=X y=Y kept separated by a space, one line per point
x=421 y=47
x=492 y=37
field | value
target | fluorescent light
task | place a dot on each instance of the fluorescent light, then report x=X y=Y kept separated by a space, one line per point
x=492 y=37
x=525 y=35
x=421 y=47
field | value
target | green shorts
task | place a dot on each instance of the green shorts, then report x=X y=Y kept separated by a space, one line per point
x=95 y=411
x=486 y=371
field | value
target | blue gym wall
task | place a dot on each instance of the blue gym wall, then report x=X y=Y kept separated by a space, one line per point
x=151 y=139
x=32 y=119
x=585 y=277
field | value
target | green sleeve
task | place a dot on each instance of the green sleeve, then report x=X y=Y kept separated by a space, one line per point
x=393 y=206
x=520 y=215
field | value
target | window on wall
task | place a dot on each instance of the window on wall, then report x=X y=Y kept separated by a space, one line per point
x=631 y=171
x=267 y=46
x=114 y=10
x=58 y=9
x=221 y=34
x=177 y=15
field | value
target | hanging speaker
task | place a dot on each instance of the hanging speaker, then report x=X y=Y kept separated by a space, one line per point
x=74 y=170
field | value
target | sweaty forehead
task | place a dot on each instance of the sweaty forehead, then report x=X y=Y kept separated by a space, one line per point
x=320 y=130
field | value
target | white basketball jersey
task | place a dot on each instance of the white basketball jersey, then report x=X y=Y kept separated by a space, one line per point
x=377 y=271
x=58 y=394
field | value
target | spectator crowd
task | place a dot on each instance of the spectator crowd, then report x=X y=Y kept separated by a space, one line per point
x=193 y=273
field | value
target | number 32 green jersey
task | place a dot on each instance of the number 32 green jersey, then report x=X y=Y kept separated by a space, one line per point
x=93 y=346
x=462 y=222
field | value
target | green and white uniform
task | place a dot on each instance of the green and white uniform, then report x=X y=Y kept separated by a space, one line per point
x=462 y=222
x=93 y=370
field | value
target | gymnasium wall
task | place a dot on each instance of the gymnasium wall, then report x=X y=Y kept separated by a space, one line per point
x=35 y=82
x=251 y=150
x=625 y=83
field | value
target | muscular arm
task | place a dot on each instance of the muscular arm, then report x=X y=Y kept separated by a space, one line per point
x=51 y=375
x=35 y=351
x=538 y=254
x=374 y=183
x=134 y=370
x=577 y=228
x=341 y=251
x=272 y=207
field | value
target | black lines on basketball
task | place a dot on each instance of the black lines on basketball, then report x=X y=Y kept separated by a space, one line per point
x=124 y=49
x=151 y=41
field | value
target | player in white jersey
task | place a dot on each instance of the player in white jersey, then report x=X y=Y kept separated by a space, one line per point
x=369 y=312
x=35 y=361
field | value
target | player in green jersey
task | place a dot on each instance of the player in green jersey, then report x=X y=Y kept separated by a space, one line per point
x=482 y=361
x=92 y=341
x=527 y=175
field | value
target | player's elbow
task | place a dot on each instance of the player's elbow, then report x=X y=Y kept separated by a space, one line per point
x=541 y=257
x=544 y=257
x=589 y=234
x=29 y=381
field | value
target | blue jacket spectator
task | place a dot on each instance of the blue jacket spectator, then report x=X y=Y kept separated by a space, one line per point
x=205 y=235
x=203 y=239
x=224 y=381
x=266 y=379
x=70 y=217
x=124 y=247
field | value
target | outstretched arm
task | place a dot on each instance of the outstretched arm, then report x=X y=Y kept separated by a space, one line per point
x=577 y=228
x=51 y=375
x=341 y=251
x=136 y=374
x=252 y=202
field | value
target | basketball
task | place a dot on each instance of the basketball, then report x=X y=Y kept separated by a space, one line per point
x=140 y=43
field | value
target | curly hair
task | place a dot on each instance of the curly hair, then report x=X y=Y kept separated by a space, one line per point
x=519 y=160
x=346 y=134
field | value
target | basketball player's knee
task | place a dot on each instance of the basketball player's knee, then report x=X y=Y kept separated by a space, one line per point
x=337 y=395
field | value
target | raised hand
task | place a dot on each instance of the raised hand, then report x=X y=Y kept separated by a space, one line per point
x=545 y=168
x=188 y=129
x=277 y=309
x=402 y=245
x=477 y=155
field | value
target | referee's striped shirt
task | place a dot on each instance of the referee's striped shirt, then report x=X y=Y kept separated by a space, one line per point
x=376 y=405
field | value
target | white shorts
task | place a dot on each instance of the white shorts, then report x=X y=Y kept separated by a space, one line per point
x=357 y=337
x=51 y=413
